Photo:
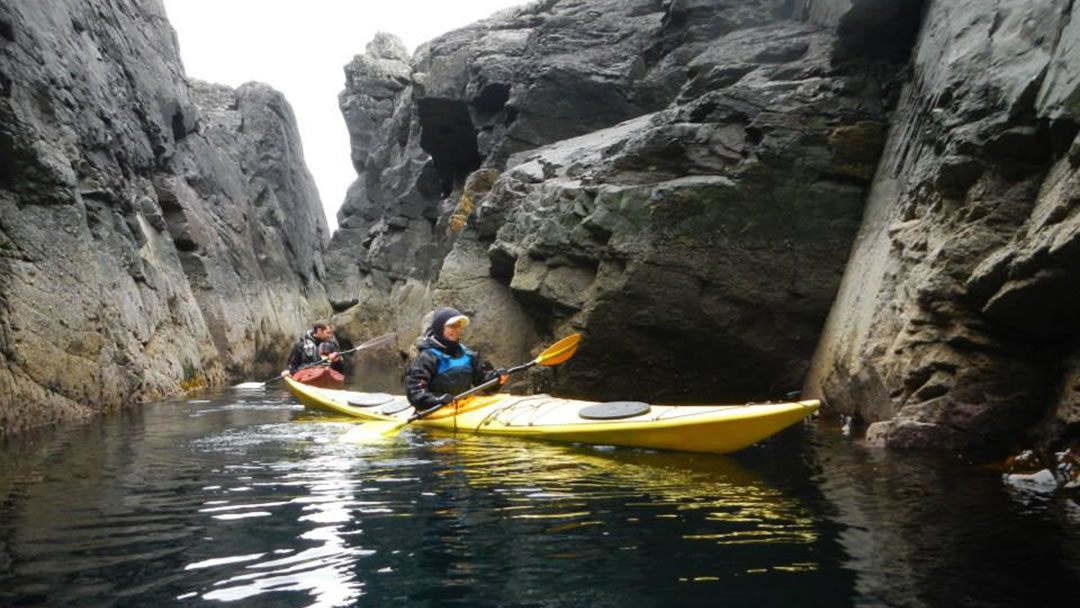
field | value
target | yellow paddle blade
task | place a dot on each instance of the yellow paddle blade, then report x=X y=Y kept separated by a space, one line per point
x=374 y=432
x=560 y=351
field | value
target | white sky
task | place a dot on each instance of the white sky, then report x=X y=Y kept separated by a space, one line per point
x=300 y=48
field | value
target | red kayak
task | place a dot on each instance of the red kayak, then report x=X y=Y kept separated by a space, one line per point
x=322 y=377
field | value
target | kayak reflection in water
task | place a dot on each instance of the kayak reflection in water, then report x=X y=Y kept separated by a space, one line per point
x=445 y=367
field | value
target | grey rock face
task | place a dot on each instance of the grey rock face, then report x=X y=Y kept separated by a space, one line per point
x=690 y=204
x=253 y=230
x=699 y=247
x=682 y=182
x=954 y=326
x=528 y=77
x=146 y=243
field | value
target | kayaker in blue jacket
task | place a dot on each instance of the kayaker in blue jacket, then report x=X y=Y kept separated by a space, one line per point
x=445 y=367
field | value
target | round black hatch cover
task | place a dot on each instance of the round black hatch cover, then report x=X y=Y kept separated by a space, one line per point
x=395 y=406
x=613 y=410
x=369 y=399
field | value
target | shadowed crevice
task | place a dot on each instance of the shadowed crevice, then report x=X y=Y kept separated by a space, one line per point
x=448 y=135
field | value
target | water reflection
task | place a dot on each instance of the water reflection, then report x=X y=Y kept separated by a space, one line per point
x=565 y=485
x=646 y=523
x=305 y=540
x=248 y=500
x=926 y=531
x=449 y=517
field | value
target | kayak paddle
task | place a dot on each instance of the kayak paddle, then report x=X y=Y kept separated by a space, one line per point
x=372 y=343
x=555 y=354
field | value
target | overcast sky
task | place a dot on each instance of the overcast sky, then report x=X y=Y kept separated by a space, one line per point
x=299 y=47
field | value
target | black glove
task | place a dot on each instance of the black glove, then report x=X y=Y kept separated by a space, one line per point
x=444 y=399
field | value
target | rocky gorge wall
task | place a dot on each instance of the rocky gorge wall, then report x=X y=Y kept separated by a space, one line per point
x=688 y=183
x=155 y=233
x=955 y=326
x=872 y=199
x=681 y=181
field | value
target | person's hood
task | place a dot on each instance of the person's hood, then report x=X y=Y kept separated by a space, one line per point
x=443 y=317
x=434 y=334
x=431 y=342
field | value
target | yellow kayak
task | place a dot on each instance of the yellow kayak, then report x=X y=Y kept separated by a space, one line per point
x=718 y=429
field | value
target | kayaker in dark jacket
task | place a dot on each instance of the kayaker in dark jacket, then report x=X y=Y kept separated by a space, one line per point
x=445 y=367
x=315 y=345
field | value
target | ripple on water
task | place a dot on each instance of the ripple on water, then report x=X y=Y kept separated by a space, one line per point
x=244 y=499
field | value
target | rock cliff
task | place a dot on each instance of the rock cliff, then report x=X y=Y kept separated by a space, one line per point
x=955 y=326
x=688 y=181
x=154 y=234
x=681 y=181
x=873 y=199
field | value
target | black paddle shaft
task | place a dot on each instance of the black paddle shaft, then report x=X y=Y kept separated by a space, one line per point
x=479 y=387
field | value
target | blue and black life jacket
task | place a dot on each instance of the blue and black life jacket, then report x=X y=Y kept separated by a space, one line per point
x=454 y=373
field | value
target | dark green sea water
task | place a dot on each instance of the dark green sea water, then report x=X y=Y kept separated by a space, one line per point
x=244 y=499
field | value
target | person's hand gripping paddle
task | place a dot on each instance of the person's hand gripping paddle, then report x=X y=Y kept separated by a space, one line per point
x=555 y=354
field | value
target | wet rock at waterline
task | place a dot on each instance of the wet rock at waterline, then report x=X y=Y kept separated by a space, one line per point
x=154 y=234
x=1055 y=472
